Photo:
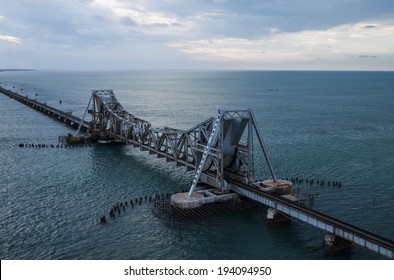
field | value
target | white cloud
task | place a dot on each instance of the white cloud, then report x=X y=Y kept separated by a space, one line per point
x=10 y=39
x=141 y=15
x=344 y=41
x=210 y=33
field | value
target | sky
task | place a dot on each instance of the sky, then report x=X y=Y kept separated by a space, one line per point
x=197 y=34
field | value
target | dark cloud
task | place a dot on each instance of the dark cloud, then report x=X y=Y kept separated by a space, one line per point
x=161 y=24
x=253 y=18
x=74 y=23
x=233 y=18
x=127 y=21
x=367 y=56
x=84 y=26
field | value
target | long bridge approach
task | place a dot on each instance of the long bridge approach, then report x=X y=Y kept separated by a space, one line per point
x=222 y=153
x=59 y=115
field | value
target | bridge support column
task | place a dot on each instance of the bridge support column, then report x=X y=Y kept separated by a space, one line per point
x=276 y=217
x=333 y=244
x=199 y=198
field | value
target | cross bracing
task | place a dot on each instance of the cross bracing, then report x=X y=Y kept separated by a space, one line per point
x=228 y=153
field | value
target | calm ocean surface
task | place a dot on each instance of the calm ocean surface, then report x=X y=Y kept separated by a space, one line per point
x=322 y=125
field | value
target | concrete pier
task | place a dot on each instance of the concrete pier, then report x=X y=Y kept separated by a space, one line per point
x=278 y=186
x=200 y=198
x=333 y=244
x=276 y=217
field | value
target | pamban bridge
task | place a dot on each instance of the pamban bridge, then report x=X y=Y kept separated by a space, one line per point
x=221 y=152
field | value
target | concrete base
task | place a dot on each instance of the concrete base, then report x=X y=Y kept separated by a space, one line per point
x=184 y=201
x=280 y=187
x=334 y=244
x=276 y=217
x=199 y=198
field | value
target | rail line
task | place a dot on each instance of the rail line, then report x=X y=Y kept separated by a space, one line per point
x=359 y=236
x=52 y=112
x=221 y=151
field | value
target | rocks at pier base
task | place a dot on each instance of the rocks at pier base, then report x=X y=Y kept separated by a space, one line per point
x=276 y=217
x=75 y=139
x=334 y=244
x=199 y=198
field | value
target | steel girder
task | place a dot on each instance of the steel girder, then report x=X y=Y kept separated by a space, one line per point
x=230 y=155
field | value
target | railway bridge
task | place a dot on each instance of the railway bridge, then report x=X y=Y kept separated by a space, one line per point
x=222 y=153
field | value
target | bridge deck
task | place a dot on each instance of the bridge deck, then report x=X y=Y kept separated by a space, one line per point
x=56 y=114
x=369 y=240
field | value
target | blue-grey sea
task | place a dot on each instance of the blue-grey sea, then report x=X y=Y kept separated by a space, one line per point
x=322 y=125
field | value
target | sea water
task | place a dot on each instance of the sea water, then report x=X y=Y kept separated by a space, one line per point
x=321 y=125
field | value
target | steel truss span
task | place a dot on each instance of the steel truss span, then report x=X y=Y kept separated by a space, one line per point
x=217 y=148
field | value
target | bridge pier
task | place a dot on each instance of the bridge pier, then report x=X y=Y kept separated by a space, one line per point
x=184 y=201
x=199 y=198
x=276 y=217
x=333 y=244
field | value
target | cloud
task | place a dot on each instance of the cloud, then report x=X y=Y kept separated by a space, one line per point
x=254 y=18
x=10 y=39
x=334 y=43
x=367 y=56
x=214 y=33
x=127 y=21
x=138 y=13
